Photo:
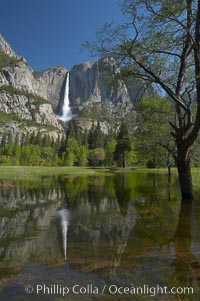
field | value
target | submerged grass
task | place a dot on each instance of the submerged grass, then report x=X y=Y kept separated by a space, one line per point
x=22 y=172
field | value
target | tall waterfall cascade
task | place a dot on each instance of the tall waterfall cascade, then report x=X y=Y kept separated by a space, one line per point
x=64 y=216
x=66 y=111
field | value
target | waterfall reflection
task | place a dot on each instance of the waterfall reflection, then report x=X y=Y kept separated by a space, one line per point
x=64 y=216
x=122 y=227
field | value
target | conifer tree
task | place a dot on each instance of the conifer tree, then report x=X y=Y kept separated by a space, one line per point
x=38 y=139
x=85 y=138
x=99 y=142
x=78 y=136
x=17 y=138
x=123 y=145
x=32 y=138
x=71 y=131
x=3 y=140
x=91 y=137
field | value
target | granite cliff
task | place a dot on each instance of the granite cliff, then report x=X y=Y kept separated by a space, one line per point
x=29 y=100
x=98 y=92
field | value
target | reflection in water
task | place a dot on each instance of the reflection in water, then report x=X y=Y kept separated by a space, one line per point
x=64 y=215
x=186 y=264
x=127 y=228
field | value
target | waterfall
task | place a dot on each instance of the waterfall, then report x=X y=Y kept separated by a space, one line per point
x=66 y=111
x=64 y=215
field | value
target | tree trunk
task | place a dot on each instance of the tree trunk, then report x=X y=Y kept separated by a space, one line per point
x=184 y=172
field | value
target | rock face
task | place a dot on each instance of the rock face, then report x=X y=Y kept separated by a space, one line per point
x=94 y=82
x=5 y=47
x=96 y=91
x=18 y=75
x=28 y=100
x=50 y=84
x=26 y=114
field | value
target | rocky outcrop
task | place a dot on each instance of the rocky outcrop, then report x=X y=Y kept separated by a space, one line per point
x=26 y=114
x=96 y=91
x=5 y=47
x=86 y=123
x=50 y=84
x=28 y=100
x=18 y=75
x=94 y=81
x=108 y=114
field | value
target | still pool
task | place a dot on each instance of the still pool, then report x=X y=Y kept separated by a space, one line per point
x=121 y=237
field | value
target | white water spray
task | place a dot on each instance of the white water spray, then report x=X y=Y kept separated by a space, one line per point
x=64 y=215
x=66 y=111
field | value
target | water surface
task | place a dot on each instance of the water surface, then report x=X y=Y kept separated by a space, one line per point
x=130 y=229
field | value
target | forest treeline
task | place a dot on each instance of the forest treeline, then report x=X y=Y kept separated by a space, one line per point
x=93 y=148
x=145 y=146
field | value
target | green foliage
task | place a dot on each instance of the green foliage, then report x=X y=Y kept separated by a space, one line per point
x=82 y=159
x=132 y=157
x=30 y=155
x=96 y=157
x=195 y=153
x=6 y=117
x=152 y=135
x=151 y=164
x=70 y=152
x=123 y=145
x=6 y=60
x=110 y=152
x=71 y=130
x=26 y=150
x=85 y=138
x=96 y=137
x=91 y=137
x=38 y=149
x=69 y=159
x=13 y=91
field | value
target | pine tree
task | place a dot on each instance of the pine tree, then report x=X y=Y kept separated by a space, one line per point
x=38 y=139
x=17 y=138
x=3 y=140
x=96 y=137
x=82 y=156
x=24 y=140
x=98 y=134
x=123 y=145
x=71 y=131
x=45 y=141
x=91 y=137
x=32 y=138
x=78 y=136
x=10 y=143
x=10 y=140
x=85 y=138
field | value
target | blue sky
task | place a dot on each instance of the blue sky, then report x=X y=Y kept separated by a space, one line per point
x=51 y=32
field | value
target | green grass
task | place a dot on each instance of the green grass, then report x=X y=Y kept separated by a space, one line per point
x=22 y=172
x=16 y=172
x=155 y=170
